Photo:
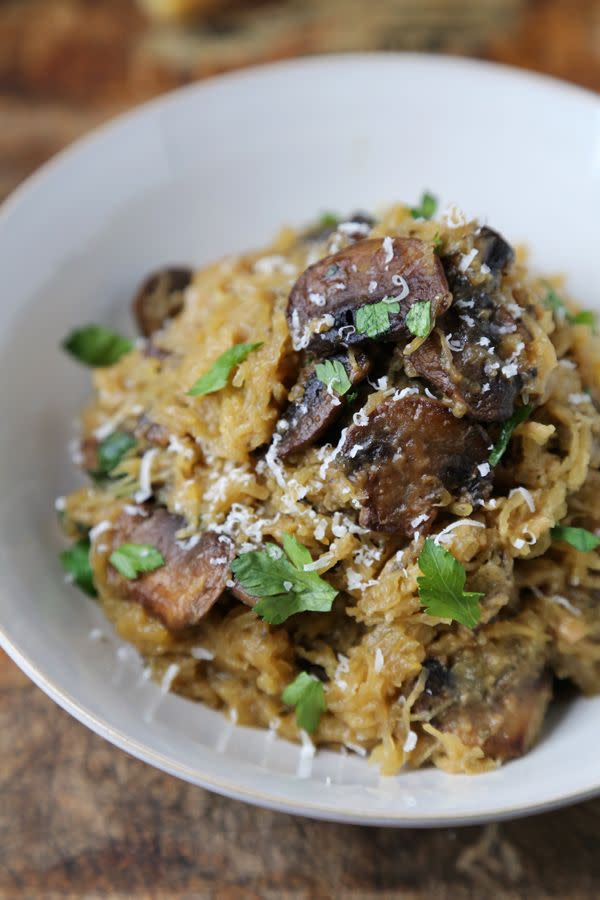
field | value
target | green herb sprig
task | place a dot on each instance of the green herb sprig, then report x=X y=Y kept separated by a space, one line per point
x=131 y=560
x=218 y=375
x=76 y=563
x=333 y=375
x=580 y=538
x=442 y=586
x=374 y=318
x=519 y=416
x=280 y=581
x=306 y=694
x=96 y=345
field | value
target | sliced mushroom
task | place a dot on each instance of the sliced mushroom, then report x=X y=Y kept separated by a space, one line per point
x=152 y=433
x=194 y=575
x=313 y=408
x=469 y=356
x=492 y=695
x=412 y=455
x=323 y=303
x=494 y=251
x=160 y=298
x=242 y=594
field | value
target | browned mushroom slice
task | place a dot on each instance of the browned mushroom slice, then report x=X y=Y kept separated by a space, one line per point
x=313 y=408
x=242 y=594
x=410 y=455
x=323 y=302
x=160 y=298
x=151 y=432
x=192 y=579
x=494 y=251
x=493 y=695
x=469 y=357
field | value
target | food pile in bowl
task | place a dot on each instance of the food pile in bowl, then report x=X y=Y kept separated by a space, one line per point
x=347 y=488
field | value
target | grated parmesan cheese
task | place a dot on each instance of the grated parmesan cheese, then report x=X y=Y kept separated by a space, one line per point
x=145 y=491
x=378 y=666
x=388 y=249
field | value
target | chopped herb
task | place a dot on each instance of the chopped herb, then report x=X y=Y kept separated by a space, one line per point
x=332 y=271
x=96 y=345
x=442 y=586
x=518 y=417
x=112 y=450
x=132 y=560
x=333 y=374
x=328 y=220
x=555 y=302
x=218 y=374
x=351 y=397
x=580 y=538
x=418 y=319
x=76 y=563
x=427 y=207
x=438 y=242
x=585 y=317
x=306 y=694
x=374 y=319
x=281 y=581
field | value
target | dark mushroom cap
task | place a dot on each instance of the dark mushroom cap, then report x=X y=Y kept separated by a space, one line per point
x=181 y=592
x=314 y=409
x=409 y=454
x=160 y=298
x=364 y=273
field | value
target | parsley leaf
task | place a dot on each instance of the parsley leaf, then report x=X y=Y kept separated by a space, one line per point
x=580 y=538
x=441 y=587
x=281 y=583
x=307 y=695
x=131 y=560
x=585 y=317
x=328 y=220
x=218 y=374
x=427 y=207
x=418 y=319
x=555 y=302
x=374 y=319
x=332 y=373
x=96 y=345
x=112 y=450
x=518 y=417
x=438 y=242
x=76 y=563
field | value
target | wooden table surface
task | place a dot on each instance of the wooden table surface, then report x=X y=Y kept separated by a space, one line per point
x=78 y=818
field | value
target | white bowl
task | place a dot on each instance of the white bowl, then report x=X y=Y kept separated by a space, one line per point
x=215 y=168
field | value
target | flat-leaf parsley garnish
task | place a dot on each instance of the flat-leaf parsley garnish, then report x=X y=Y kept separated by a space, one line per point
x=218 y=375
x=418 y=319
x=280 y=580
x=555 y=302
x=442 y=586
x=96 y=345
x=306 y=694
x=76 y=563
x=427 y=207
x=518 y=417
x=328 y=220
x=580 y=538
x=333 y=375
x=131 y=560
x=374 y=318
x=112 y=450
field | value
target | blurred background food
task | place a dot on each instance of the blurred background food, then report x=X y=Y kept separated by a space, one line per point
x=75 y=63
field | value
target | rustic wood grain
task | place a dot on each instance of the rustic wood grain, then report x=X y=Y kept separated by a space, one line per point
x=78 y=818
